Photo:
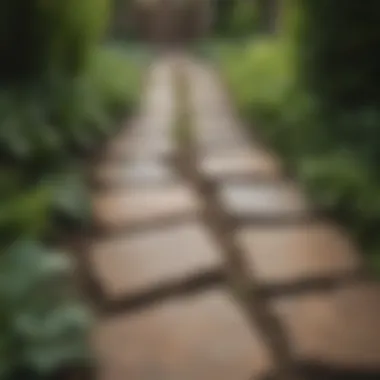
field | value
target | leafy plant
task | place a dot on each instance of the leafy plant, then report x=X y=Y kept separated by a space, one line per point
x=61 y=94
x=43 y=325
x=311 y=91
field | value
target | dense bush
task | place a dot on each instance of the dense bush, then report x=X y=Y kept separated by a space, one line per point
x=235 y=18
x=337 y=44
x=40 y=36
x=61 y=94
x=312 y=93
x=42 y=325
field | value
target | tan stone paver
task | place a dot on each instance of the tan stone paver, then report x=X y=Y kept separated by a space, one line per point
x=337 y=328
x=139 y=171
x=292 y=253
x=263 y=199
x=139 y=261
x=240 y=163
x=138 y=205
x=204 y=337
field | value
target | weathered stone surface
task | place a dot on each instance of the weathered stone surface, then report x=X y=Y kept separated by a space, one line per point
x=262 y=199
x=153 y=149
x=286 y=254
x=203 y=337
x=338 y=328
x=138 y=171
x=150 y=142
x=217 y=135
x=220 y=146
x=247 y=163
x=144 y=204
x=213 y=123
x=141 y=261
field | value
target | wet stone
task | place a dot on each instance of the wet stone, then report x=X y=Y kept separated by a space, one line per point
x=203 y=337
x=287 y=254
x=262 y=200
x=144 y=260
x=131 y=206
x=339 y=329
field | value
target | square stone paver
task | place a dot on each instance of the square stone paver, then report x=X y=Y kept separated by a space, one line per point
x=143 y=204
x=214 y=123
x=285 y=254
x=135 y=171
x=260 y=199
x=221 y=145
x=150 y=148
x=241 y=163
x=203 y=337
x=143 y=142
x=210 y=136
x=338 y=328
x=144 y=260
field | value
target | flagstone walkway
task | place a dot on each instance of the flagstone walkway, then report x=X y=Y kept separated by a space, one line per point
x=209 y=263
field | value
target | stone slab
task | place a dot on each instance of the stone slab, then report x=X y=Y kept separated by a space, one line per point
x=142 y=261
x=143 y=139
x=286 y=254
x=143 y=205
x=256 y=199
x=203 y=337
x=339 y=329
x=240 y=163
x=136 y=171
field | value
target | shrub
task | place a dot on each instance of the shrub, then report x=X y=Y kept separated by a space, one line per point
x=42 y=324
x=235 y=18
x=61 y=94
x=336 y=51
x=336 y=162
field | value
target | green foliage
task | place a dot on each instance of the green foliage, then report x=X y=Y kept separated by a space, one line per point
x=236 y=18
x=337 y=42
x=39 y=36
x=244 y=19
x=51 y=119
x=42 y=324
x=316 y=104
x=268 y=66
x=44 y=195
x=61 y=95
x=24 y=214
x=120 y=89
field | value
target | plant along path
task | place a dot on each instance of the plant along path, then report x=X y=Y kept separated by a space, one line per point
x=208 y=263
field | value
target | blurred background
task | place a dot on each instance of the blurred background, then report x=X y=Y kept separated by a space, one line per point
x=304 y=72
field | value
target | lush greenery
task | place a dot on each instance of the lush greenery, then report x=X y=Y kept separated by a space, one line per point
x=62 y=91
x=235 y=18
x=312 y=92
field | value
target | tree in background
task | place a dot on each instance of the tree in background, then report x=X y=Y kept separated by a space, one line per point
x=38 y=36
